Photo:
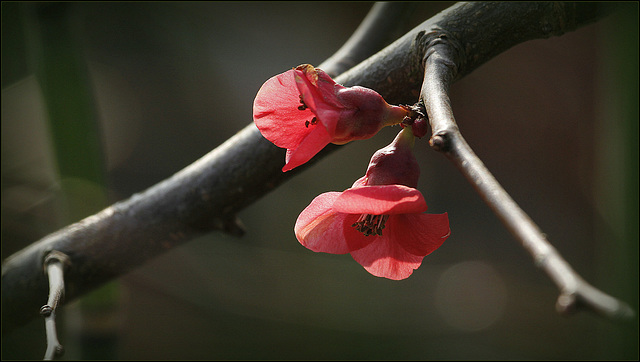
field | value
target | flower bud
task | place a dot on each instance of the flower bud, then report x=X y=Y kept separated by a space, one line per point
x=303 y=110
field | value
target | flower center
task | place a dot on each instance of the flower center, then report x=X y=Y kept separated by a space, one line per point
x=371 y=224
x=302 y=107
x=311 y=122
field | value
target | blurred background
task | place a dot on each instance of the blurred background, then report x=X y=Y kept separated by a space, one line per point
x=101 y=100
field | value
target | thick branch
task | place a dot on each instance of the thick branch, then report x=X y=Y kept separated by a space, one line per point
x=201 y=198
x=206 y=195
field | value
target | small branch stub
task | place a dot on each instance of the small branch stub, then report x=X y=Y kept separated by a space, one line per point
x=566 y=304
x=46 y=310
x=54 y=264
x=439 y=142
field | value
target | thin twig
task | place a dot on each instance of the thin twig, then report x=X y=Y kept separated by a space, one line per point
x=575 y=293
x=370 y=36
x=54 y=265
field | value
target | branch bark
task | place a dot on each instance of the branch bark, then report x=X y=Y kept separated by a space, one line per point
x=206 y=195
x=446 y=46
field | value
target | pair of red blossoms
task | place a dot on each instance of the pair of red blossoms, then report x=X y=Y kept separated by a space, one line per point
x=380 y=220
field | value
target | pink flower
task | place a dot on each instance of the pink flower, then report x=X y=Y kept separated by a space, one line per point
x=382 y=225
x=303 y=110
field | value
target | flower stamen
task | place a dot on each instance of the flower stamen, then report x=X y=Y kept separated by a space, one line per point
x=371 y=224
x=312 y=122
x=303 y=106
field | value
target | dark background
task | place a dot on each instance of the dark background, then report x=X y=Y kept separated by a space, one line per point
x=170 y=81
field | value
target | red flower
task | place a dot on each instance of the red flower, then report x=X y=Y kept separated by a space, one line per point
x=303 y=110
x=382 y=226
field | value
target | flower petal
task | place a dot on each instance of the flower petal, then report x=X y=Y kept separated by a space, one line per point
x=313 y=143
x=319 y=228
x=276 y=113
x=419 y=234
x=381 y=200
x=385 y=258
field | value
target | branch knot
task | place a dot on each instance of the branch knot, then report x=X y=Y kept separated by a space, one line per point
x=440 y=43
x=440 y=142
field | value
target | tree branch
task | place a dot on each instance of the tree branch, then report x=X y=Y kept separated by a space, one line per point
x=442 y=62
x=206 y=195
x=369 y=37
x=201 y=198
